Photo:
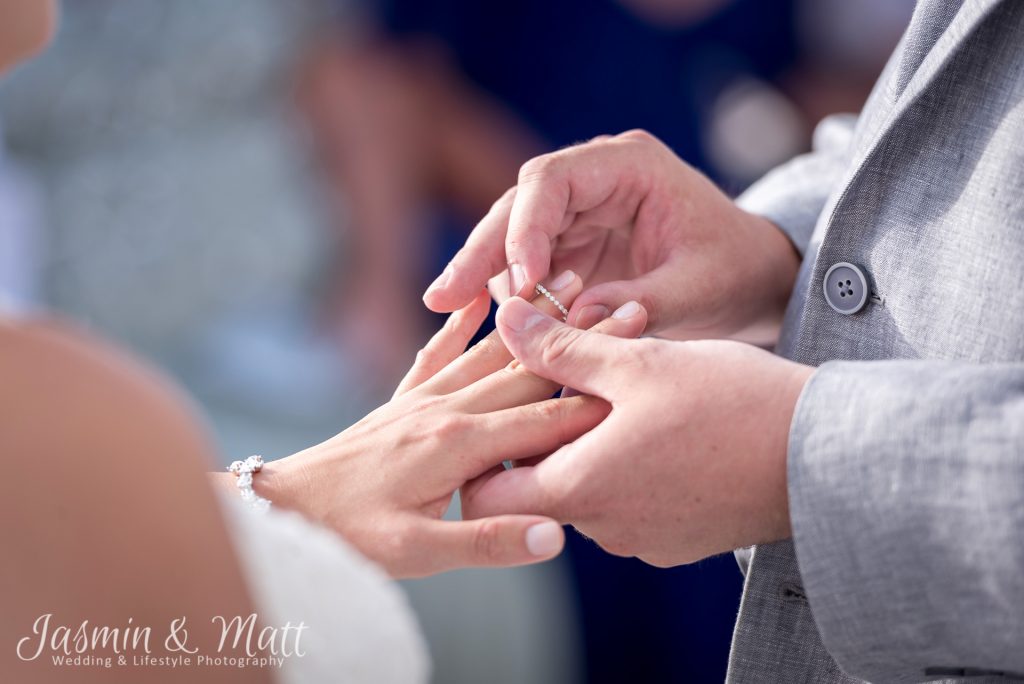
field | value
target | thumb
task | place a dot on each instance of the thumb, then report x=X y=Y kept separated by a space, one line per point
x=576 y=358
x=499 y=541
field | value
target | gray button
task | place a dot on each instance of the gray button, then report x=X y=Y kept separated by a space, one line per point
x=846 y=288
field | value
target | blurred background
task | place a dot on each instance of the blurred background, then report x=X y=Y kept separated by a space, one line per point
x=254 y=194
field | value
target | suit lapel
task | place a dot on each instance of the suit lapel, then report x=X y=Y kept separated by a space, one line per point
x=967 y=18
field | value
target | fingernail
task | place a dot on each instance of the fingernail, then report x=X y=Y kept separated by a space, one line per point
x=517 y=278
x=517 y=314
x=627 y=310
x=544 y=539
x=441 y=280
x=563 y=281
x=591 y=315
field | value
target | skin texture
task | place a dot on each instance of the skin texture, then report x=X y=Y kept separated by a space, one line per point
x=112 y=515
x=668 y=480
x=692 y=459
x=453 y=420
x=636 y=223
x=26 y=26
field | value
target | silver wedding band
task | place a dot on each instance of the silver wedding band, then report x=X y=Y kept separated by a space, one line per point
x=541 y=290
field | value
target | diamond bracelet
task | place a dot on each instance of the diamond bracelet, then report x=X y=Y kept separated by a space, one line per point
x=243 y=471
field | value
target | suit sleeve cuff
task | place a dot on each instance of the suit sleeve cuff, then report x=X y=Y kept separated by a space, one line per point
x=906 y=502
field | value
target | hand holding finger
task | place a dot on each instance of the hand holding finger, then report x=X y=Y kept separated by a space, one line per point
x=554 y=188
x=489 y=355
x=522 y=431
x=528 y=489
x=587 y=360
x=516 y=234
x=481 y=258
x=519 y=386
x=653 y=290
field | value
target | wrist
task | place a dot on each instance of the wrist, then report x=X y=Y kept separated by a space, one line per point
x=759 y=271
x=284 y=482
x=777 y=264
x=781 y=525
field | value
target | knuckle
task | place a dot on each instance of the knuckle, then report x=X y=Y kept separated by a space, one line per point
x=647 y=358
x=550 y=417
x=448 y=428
x=402 y=539
x=428 y=403
x=538 y=169
x=490 y=346
x=387 y=549
x=426 y=357
x=548 y=411
x=487 y=541
x=517 y=240
x=639 y=135
x=615 y=544
x=559 y=345
x=648 y=353
x=510 y=374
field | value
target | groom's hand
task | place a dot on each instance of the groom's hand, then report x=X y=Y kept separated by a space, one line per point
x=690 y=462
x=637 y=223
x=385 y=482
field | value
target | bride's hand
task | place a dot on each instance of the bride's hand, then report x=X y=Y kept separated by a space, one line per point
x=385 y=483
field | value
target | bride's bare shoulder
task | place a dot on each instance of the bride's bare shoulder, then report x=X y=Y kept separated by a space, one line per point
x=104 y=462
x=68 y=384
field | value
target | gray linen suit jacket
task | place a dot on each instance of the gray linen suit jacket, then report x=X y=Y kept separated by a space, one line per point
x=906 y=455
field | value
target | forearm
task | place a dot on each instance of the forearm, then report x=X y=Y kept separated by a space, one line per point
x=779 y=264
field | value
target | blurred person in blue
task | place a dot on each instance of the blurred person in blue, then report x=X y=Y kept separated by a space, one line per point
x=422 y=112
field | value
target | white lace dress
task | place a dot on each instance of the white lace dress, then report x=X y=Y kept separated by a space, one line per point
x=360 y=626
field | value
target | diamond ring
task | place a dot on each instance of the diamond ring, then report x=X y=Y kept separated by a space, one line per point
x=541 y=290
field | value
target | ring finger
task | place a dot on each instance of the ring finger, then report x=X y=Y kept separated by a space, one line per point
x=490 y=355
